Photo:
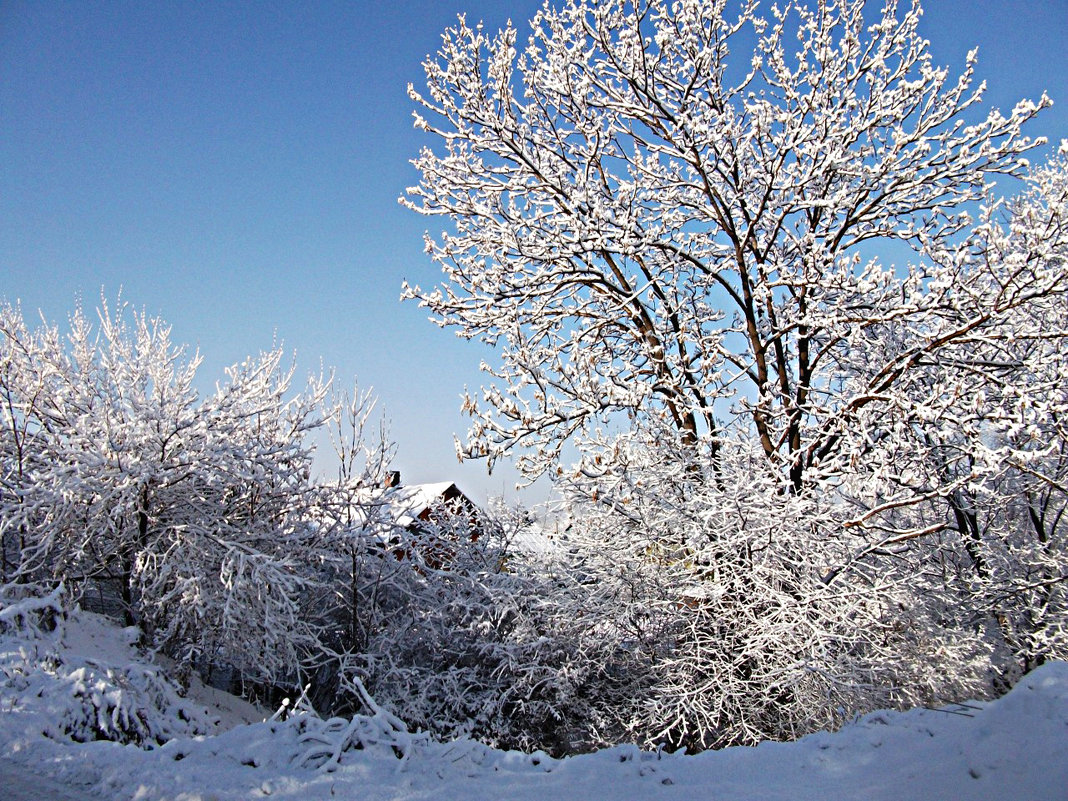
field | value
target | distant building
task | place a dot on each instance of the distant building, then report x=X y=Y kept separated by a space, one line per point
x=439 y=511
x=415 y=504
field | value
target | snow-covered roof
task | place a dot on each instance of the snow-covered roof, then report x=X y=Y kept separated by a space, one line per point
x=408 y=503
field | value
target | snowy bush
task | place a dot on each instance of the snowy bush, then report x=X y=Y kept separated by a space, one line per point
x=488 y=642
x=78 y=698
x=322 y=742
x=30 y=609
x=720 y=588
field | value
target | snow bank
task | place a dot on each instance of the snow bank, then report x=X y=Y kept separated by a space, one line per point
x=1016 y=747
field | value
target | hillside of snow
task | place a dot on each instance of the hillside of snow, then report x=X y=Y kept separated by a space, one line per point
x=85 y=677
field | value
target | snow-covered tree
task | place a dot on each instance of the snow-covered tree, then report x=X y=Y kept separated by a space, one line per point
x=755 y=269
x=22 y=386
x=669 y=210
x=196 y=518
x=985 y=440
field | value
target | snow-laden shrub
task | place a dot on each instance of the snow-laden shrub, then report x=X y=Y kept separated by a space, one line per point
x=77 y=698
x=722 y=584
x=324 y=741
x=127 y=704
x=31 y=609
x=487 y=641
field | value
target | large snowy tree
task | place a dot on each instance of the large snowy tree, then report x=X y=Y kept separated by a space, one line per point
x=670 y=211
x=756 y=268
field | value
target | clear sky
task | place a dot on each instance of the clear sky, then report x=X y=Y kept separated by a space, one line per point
x=234 y=167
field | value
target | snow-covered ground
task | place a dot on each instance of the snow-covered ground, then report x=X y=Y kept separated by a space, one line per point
x=1013 y=748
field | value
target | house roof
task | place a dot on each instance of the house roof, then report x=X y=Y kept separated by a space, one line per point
x=407 y=503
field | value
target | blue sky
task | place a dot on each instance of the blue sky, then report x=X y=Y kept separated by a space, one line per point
x=235 y=168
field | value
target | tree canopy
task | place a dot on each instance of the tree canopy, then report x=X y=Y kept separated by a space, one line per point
x=674 y=211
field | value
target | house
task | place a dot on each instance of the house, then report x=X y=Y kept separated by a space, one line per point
x=437 y=514
x=413 y=507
